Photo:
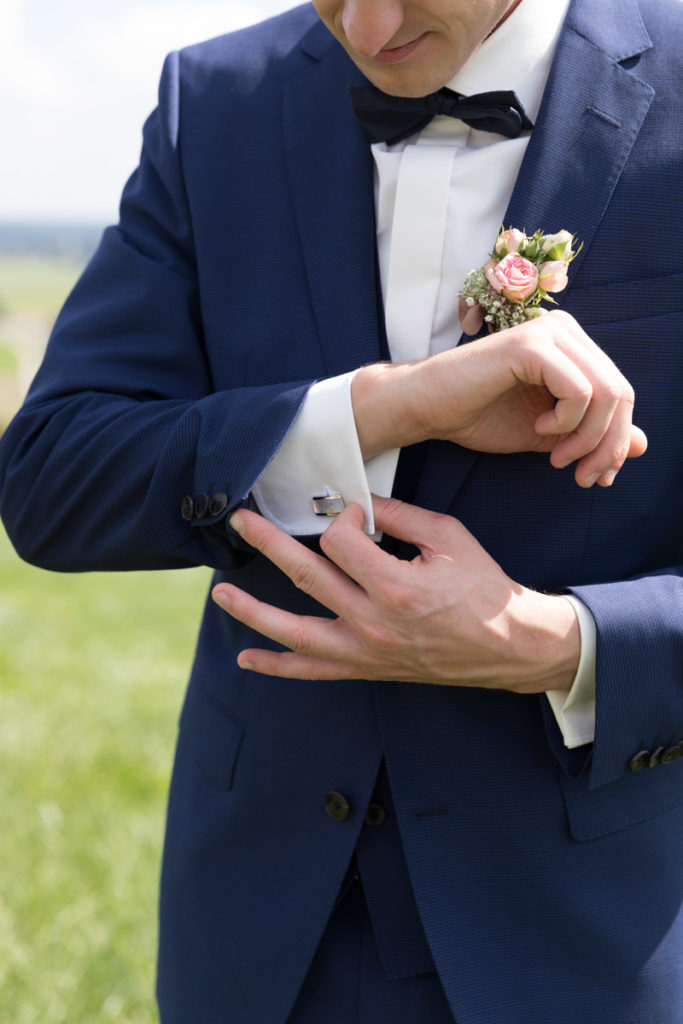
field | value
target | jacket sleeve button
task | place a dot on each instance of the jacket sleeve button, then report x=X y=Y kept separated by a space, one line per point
x=672 y=753
x=639 y=761
x=218 y=505
x=655 y=757
x=201 y=505
x=337 y=806
x=187 y=508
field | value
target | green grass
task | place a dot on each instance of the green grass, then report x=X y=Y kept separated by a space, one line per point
x=35 y=284
x=8 y=360
x=92 y=670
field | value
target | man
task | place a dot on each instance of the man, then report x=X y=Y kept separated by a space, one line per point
x=351 y=843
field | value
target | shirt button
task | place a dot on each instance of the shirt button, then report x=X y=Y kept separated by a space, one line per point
x=337 y=806
x=639 y=761
x=201 y=505
x=375 y=815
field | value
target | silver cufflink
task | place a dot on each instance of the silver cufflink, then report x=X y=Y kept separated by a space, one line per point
x=328 y=504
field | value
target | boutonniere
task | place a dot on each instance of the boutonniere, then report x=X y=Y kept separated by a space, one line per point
x=521 y=273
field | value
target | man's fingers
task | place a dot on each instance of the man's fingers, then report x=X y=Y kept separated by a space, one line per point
x=603 y=437
x=288 y=665
x=605 y=460
x=359 y=557
x=308 y=571
x=638 y=443
x=306 y=634
x=412 y=524
x=374 y=569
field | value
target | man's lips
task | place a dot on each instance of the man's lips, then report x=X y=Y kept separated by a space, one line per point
x=398 y=53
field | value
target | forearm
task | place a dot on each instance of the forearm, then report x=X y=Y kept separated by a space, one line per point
x=97 y=481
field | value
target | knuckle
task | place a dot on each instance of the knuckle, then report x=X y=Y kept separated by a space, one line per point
x=299 y=638
x=378 y=638
x=628 y=395
x=617 y=455
x=584 y=393
x=393 y=506
x=610 y=455
x=303 y=576
x=406 y=600
x=441 y=521
x=612 y=393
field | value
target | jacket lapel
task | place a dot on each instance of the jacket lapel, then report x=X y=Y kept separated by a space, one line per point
x=590 y=117
x=591 y=114
x=329 y=166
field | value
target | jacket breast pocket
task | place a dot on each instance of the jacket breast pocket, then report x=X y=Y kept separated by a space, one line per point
x=625 y=301
x=212 y=734
x=631 y=800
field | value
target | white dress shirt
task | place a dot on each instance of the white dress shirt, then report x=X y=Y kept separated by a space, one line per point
x=440 y=197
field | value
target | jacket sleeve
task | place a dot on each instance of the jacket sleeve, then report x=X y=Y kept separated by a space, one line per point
x=638 y=684
x=639 y=674
x=123 y=420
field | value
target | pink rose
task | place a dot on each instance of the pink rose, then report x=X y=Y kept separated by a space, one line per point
x=552 y=276
x=510 y=240
x=514 y=276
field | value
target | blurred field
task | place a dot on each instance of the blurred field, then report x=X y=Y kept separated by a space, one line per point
x=32 y=290
x=92 y=670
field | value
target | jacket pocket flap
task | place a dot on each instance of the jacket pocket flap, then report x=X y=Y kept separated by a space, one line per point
x=624 y=300
x=213 y=734
x=628 y=801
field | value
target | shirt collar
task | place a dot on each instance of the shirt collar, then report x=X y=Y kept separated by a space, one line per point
x=517 y=55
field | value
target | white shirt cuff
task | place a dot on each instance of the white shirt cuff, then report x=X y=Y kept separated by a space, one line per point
x=321 y=455
x=575 y=710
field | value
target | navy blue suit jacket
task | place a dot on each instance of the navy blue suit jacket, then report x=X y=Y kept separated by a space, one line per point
x=549 y=882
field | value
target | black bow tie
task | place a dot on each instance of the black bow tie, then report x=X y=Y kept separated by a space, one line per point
x=392 y=118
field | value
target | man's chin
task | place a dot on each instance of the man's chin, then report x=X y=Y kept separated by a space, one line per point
x=406 y=79
x=406 y=86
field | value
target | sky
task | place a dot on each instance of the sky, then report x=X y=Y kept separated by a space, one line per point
x=77 y=80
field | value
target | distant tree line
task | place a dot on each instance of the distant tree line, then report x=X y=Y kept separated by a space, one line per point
x=73 y=242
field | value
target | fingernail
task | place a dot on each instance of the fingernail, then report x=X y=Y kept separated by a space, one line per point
x=237 y=523
x=609 y=477
x=592 y=479
x=222 y=599
x=245 y=664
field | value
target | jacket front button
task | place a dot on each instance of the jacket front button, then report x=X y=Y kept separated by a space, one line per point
x=337 y=806
x=639 y=761
x=201 y=505
x=375 y=815
x=187 y=508
x=218 y=505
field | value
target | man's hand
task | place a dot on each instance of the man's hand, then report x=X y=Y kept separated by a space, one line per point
x=542 y=387
x=450 y=616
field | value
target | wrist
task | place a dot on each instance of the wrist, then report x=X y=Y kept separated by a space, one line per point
x=548 y=642
x=383 y=396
